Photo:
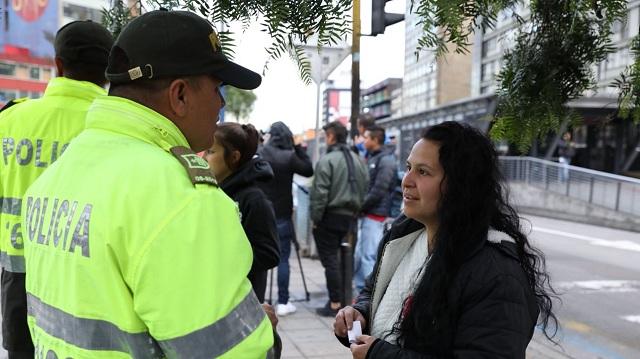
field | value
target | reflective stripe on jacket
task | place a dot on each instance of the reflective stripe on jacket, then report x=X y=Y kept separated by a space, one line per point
x=34 y=134
x=128 y=258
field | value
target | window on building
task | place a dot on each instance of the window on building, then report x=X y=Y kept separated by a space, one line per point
x=619 y=30
x=7 y=95
x=46 y=74
x=82 y=13
x=34 y=73
x=7 y=69
x=489 y=47
x=618 y=59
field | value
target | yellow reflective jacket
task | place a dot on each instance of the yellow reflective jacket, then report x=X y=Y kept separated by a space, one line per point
x=34 y=134
x=133 y=251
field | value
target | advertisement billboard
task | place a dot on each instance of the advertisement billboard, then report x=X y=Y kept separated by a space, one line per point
x=30 y=24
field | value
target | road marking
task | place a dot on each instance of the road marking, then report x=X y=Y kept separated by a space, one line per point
x=577 y=326
x=632 y=318
x=599 y=286
x=622 y=244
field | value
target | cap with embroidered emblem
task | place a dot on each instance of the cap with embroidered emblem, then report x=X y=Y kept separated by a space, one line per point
x=165 y=43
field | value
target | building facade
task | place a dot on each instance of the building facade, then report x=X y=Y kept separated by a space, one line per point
x=378 y=99
x=603 y=142
x=336 y=104
x=420 y=80
x=26 y=42
x=434 y=91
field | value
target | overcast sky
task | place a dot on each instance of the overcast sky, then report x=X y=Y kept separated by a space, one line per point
x=284 y=97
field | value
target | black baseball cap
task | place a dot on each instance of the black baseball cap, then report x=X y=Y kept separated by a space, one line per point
x=83 y=41
x=165 y=43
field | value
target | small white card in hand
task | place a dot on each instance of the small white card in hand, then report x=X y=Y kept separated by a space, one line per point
x=355 y=332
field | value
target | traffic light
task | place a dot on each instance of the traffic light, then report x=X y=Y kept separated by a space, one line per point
x=381 y=19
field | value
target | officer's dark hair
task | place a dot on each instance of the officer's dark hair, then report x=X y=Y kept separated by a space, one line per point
x=338 y=130
x=377 y=132
x=80 y=71
x=236 y=137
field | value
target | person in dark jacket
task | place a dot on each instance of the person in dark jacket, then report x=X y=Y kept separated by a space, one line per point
x=286 y=159
x=455 y=277
x=238 y=171
x=376 y=208
x=337 y=192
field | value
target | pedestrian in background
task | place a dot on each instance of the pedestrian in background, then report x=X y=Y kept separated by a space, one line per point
x=147 y=257
x=566 y=151
x=376 y=209
x=364 y=122
x=286 y=159
x=338 y=190
x=456 y=277
x=34 y=134
x=238 y=171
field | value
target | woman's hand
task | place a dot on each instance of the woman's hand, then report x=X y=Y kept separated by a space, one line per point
x=359 y=351
x=344 y=321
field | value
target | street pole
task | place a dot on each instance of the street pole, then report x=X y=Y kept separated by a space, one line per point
x=346 y=256
x=355 y=69
x=316 y=139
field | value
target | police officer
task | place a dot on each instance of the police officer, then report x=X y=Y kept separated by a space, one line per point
x=132 y=249
x=34 y=134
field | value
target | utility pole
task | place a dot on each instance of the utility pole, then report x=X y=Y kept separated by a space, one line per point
x=348 y=242
x=355 y=69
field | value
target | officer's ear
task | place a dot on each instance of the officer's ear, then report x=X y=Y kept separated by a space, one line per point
x=178 y=90
x=59 y=66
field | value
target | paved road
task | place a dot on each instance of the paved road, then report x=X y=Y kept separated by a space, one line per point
x=596 y=270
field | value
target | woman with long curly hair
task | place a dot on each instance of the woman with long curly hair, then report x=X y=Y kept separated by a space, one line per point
x=456 y=277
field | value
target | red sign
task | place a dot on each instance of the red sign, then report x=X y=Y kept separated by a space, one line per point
x=29 y=10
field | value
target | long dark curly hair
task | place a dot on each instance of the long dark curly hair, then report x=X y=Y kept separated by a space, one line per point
x=474 y=201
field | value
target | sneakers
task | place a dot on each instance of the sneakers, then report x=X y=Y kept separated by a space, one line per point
x=327 y=311
x=285 y=309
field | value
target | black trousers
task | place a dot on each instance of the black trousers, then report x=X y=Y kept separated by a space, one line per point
x=16 y=338
x=328 y=235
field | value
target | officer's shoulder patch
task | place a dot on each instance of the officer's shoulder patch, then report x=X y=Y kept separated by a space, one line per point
x=13 y=102
x=197 y=168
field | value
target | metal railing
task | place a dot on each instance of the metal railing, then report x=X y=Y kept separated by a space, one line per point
x=615 y=192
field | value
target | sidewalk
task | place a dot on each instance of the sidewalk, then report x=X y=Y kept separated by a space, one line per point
x=307 y=335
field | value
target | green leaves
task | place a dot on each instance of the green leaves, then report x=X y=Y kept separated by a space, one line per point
x=288 y=22
x=117 y=16
x=239 y=103
x=454 y=21
x=551 y=65
x=628 y=85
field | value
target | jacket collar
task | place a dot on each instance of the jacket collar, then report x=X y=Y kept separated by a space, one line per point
x=62 y=86
x=403 y=226
x=336 y=147
x=120 y=115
